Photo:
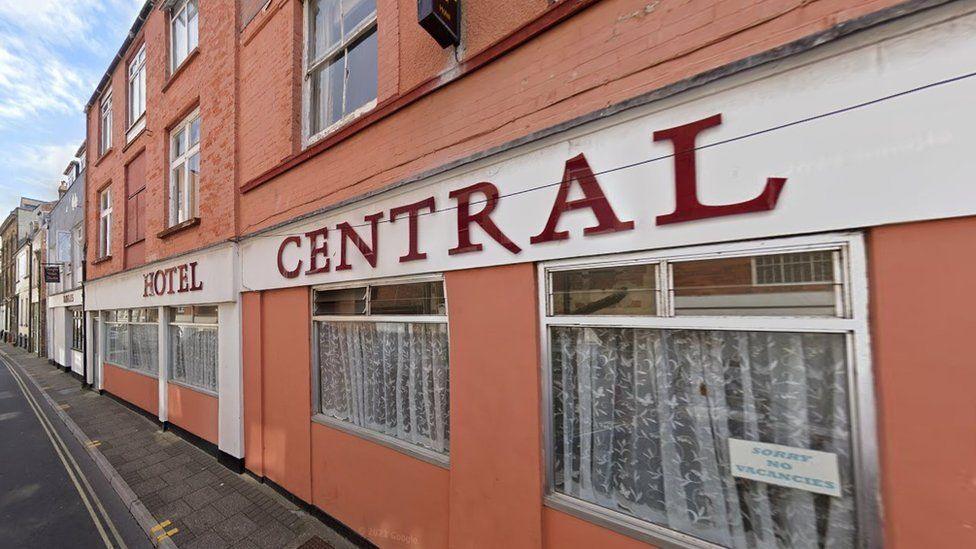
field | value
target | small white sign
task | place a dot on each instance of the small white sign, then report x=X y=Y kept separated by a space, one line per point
x=799 y=468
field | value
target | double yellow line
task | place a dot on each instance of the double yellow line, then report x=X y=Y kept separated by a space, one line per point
x=77 y=476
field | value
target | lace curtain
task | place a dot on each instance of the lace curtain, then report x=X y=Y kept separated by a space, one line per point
x=642 y=417
x=144 y=348
x=194 y=359
x=133 y=346
x=388 y=377
x=117 y=344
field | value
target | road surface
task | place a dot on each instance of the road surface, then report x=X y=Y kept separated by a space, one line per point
x=51 y=492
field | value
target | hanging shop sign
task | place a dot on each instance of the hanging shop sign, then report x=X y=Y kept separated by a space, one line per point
x=441 y=19
x=52 y=274
x=776 y=151
x=799 y=468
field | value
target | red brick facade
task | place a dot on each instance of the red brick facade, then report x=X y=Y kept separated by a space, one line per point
x=207 y=80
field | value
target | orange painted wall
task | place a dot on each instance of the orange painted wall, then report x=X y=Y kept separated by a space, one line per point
x=286 y=390
x=251 y=382
x=392 y=499
x=560 y=530
x=496 y=457
x=192 y=410
x=131 y=387
x=922 y=303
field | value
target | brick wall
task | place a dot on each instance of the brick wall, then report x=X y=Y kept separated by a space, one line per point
x=208 y=80
x=607 y=53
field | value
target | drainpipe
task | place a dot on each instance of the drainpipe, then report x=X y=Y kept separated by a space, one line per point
x=84 y=323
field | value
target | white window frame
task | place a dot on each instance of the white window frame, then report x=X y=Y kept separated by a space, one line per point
x=76 y=337
x=308 y=66
x=22 y=270
x=853 y=322
x=136 y=94
x=172 y=353
x=128 y=350
x=178 y=9
x=413 y=450
x=78 y=243
x=105 y=123
x=105 y=222
x=757 y=282
x=189 y=197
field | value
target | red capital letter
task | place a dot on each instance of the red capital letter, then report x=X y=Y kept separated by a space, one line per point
x=169 y=277
x=465 y=218
x=687 y=206
x=281 y=250
x=159 y=282
x=184 y=281
x=346 y=232
x=578 y=169
x=317 y=250
x=194 y=285
x=147 y=285
x=413 y=210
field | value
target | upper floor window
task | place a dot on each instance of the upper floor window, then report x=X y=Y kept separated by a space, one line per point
x=105 y=223
x=63 y=253
x=184 y=172
x=77 y=250
x=340 y=62
x=105 y=124
x=183 y=31
x=137 y=87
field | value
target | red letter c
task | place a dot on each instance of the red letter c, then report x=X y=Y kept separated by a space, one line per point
x=281 y=250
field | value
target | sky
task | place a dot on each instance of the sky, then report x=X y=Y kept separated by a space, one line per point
x=52 y=55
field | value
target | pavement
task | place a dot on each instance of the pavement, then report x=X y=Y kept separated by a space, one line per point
x=51 y=492
x=175 y=493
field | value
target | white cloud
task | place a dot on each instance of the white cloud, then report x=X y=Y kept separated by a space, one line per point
x=52 y=55
x=42 y=45
x=40 y=167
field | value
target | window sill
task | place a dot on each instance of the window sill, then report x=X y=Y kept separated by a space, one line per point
x=181 y=68
x=624 y=524
x=131 y=370
x=165 y=233
x=403 y=447
x=102 y=259
x=340 y=124
x=134 y=132
x=202 y=391
x=104 y=155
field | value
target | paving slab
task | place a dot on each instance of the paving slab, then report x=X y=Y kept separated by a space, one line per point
x=167 y=478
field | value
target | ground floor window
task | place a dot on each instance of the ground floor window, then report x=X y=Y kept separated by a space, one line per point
x=132 y=339
x=193 y=340
x=77 y=329
x=382 y=361
x=643 y=401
